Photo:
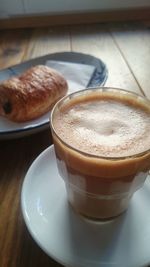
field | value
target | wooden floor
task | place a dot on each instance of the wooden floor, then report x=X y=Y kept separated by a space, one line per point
x=124 y=47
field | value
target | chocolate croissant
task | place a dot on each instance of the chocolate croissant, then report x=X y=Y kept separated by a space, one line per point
x=31 y=94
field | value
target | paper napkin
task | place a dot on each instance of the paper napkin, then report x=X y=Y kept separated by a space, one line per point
x=77 y=75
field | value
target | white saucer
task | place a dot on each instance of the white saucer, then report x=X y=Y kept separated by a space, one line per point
x=77 y=242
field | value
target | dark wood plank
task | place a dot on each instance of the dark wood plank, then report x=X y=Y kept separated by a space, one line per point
x=17 y=248
x=39 y=20
x=13 y=45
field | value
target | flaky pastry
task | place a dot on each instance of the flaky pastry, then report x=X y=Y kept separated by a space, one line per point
x=32 y=94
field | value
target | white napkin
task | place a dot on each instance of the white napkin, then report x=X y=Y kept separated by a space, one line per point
x=77 y=75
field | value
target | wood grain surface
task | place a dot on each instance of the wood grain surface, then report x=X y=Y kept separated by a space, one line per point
x=46 y=41
x=17 y=248
x=99 y=43
x=134 y=44
x=124 y=49
x=13 y=45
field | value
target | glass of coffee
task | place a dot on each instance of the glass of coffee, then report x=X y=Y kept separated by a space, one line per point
x=102 y=144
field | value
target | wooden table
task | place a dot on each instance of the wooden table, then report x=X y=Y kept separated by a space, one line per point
x=124 y=48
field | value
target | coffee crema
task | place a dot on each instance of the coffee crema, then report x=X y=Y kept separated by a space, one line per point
x=105 y=125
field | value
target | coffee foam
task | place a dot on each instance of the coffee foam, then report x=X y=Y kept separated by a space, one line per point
x=105 y=126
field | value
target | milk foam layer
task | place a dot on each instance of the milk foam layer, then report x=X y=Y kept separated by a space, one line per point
x=105 y=126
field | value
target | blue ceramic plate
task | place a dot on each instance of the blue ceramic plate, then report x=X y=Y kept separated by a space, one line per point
x=10 y=129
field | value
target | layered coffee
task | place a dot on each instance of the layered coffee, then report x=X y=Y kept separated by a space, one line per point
x=102 y=140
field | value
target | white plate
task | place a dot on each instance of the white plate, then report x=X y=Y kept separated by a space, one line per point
x=14 y=130
x=74 y=241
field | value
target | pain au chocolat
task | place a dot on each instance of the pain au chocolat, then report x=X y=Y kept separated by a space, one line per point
x=32 y=94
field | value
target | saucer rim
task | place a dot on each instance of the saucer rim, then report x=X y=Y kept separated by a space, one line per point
x=31 y=231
